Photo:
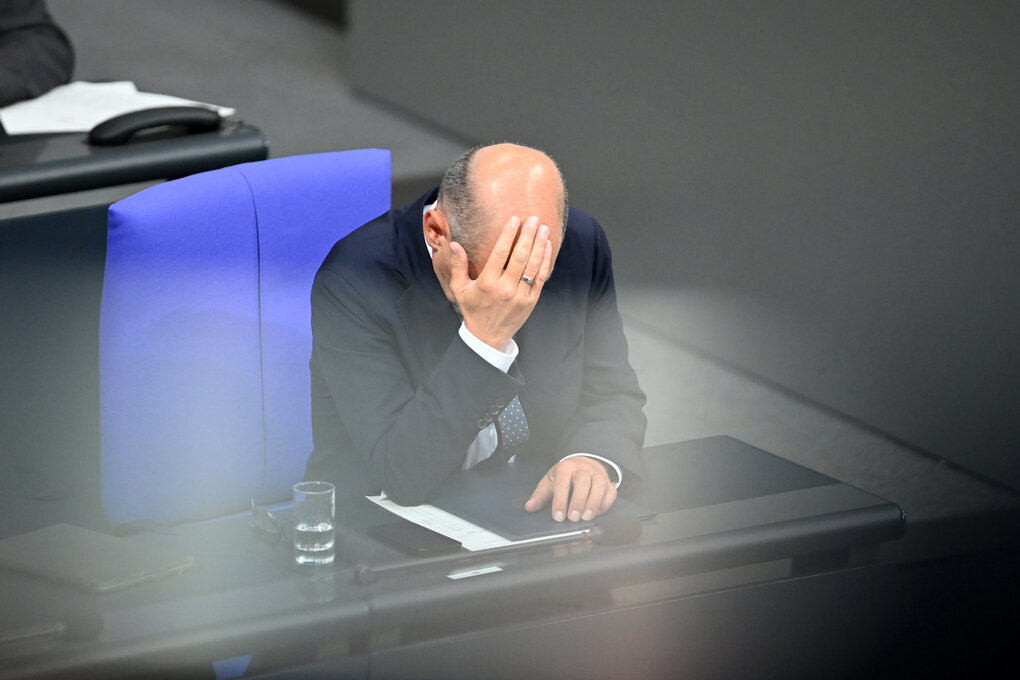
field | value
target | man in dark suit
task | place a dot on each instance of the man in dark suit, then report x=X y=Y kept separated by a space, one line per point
x=437 y=321
x=35 y=54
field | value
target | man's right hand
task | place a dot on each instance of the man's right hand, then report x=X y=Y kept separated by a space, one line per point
x=498 y=302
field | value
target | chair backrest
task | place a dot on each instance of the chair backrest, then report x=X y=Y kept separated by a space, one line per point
x=205 y=331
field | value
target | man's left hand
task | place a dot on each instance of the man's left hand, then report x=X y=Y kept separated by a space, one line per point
x=579 y=487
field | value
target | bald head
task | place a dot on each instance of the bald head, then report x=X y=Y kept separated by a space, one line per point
x=515 y=180
x=488 y=185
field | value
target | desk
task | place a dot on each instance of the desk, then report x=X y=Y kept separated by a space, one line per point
x=43 y=165
x=734 y=560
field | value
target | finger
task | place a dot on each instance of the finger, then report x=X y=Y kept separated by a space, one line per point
x=596 y=498
x=608 y=499
x=522 y=250
x=538 y=254
x=459 y=277
x=561 y=494
x=544 y=271
x=580 y=490
x=497 y=261
x=540 y=496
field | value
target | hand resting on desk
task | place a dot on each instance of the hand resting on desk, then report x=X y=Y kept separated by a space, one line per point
x=579 y=488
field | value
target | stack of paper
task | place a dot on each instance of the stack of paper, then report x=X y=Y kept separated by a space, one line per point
x=80 y=106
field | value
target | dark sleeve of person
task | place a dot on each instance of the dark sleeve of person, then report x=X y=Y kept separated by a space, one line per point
x=35 y=55
x=609 y=421
x=411 y=429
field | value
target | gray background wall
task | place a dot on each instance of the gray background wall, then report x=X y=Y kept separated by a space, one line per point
x=826 y=191
x=803 y=199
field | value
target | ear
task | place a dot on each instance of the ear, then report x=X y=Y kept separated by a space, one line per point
x=437 y=229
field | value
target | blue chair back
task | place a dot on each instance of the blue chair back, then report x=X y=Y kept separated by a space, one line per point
x=205 y=331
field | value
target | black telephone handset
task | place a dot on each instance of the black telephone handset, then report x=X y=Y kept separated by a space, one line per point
x=121 y=129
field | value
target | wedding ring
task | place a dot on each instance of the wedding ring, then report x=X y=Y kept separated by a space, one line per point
x=528 y=280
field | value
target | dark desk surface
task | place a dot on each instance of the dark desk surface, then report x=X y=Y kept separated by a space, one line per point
x=43 y=165
x=735 y=505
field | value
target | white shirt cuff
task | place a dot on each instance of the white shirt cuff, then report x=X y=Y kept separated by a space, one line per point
x=501 y=360
x=616 y=468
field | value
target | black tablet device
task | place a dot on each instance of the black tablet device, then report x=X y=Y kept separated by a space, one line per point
x=413 y=539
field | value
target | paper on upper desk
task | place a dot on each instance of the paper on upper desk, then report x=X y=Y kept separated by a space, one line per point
x=471 y=536
x=80 y=106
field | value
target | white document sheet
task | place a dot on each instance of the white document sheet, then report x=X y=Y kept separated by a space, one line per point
x=80 y=106
x=471 y=536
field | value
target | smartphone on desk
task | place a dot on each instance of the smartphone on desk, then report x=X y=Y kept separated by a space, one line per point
x=413 y=539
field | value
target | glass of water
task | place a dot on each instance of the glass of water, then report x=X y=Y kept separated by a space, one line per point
x=314 y=535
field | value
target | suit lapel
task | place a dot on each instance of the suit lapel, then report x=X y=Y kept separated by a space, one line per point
x=429 y=320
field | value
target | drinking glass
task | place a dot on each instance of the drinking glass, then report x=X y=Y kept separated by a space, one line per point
x=314 y=536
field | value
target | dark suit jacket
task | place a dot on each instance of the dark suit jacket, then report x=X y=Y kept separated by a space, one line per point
x=397 y=397
x=35 y=54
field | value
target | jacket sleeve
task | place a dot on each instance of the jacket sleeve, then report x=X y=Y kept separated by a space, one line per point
x=609 y=420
